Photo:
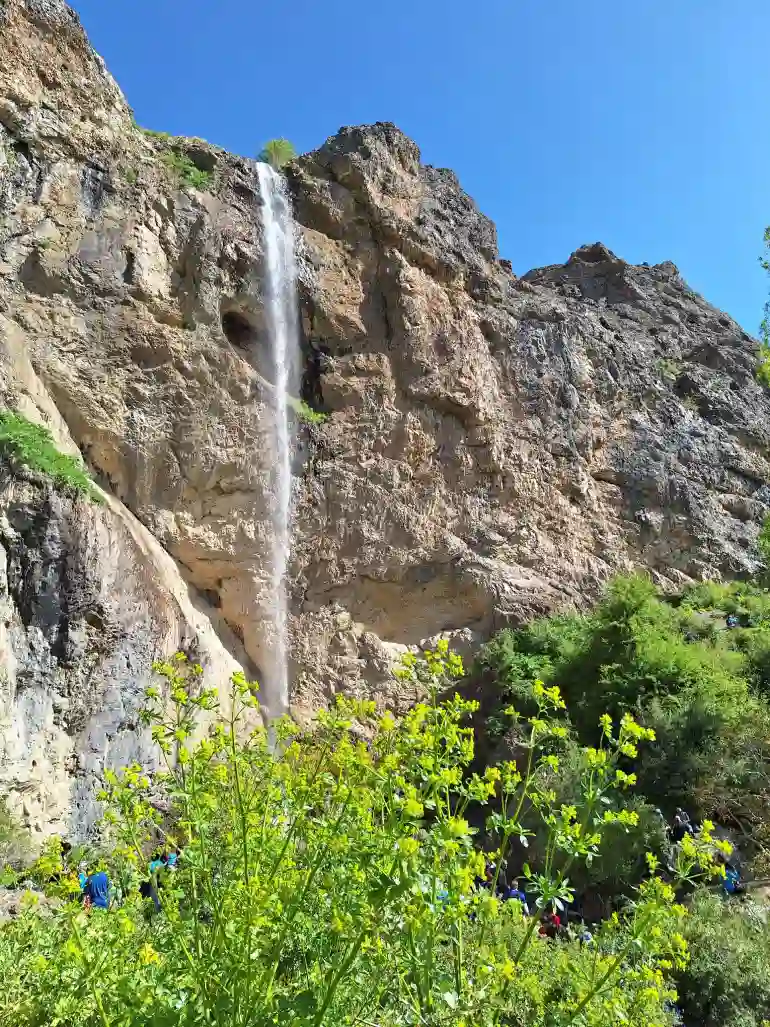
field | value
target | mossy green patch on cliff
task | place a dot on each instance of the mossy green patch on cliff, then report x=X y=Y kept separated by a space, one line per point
x=31 y=445
x=185 y=170
x=165 y=137
x=305 y=413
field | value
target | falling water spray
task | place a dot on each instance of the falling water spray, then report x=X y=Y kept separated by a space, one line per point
x=282 y=325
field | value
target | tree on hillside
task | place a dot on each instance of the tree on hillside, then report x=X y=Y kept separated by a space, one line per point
x=277 y=153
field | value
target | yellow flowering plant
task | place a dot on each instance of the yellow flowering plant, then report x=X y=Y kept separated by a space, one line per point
x=332 y=877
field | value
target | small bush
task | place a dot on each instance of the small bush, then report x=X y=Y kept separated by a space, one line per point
x=763 y=542
x=277 y=153
x=31 y=445
x=763 y=364
x=669 y=368
x=713 y=595
x=305 y=413
x=184 y=170
x=14 y=842
x=131 y=176
x=163 y=137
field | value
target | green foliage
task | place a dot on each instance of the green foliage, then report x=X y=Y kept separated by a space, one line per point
x=763 y=541
x=13 y=841
x=726 y=981
x=305 y=413
x=31 y=445
x=179 y=164
x=670 y=368
x=277 y=153
x=328 y=879
x=763 y=362
x=698 y=685
x=714 y=595
x=10 y=156
x=163 y=137
x=185 y=170
x=130 y=176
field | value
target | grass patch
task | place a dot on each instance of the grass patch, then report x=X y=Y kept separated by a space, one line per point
x=131 y=175
x=305 y=413
x=179 y=164
x=163 y=137
x=669 y=368
x=185 y=171
x=31 y=445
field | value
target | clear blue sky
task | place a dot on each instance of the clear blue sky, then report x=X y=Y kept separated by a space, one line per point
x=640 y=123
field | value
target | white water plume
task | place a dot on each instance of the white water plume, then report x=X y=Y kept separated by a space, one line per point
x=282 y=325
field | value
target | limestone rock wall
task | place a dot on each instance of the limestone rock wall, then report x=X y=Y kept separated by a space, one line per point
x=495 y=447
x=499 y=446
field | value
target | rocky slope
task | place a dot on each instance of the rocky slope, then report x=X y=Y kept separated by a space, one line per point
x=495 y=447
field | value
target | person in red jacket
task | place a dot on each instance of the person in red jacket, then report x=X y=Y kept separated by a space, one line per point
x=549 y=928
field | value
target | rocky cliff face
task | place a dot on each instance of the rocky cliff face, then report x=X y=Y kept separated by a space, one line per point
x=495 y=447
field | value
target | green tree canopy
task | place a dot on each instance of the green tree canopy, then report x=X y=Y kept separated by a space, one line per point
x=277 y=153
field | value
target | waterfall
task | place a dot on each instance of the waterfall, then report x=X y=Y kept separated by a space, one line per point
x=282 y=327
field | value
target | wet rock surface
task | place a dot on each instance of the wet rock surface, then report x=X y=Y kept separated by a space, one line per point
x=495 y=446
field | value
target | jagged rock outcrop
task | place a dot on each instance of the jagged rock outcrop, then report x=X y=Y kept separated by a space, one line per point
x=496 y=446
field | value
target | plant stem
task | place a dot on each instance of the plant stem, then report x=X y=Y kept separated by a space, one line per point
x=343 y=969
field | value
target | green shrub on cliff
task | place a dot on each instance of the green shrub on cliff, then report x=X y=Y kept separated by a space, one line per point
x=277 y=153
x=180 y=165
x=31 y=445
x=305 y=412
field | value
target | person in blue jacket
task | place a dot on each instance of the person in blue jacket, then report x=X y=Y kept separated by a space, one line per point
x=97 y=890
x=514 y=892
x=732 y=881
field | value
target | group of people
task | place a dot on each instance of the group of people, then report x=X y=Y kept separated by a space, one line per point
x=551 y=925
x=682 y=825
x=97 y=891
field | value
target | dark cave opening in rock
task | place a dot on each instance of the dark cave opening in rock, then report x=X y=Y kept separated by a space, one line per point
x=239 y=330
x=243 y=328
